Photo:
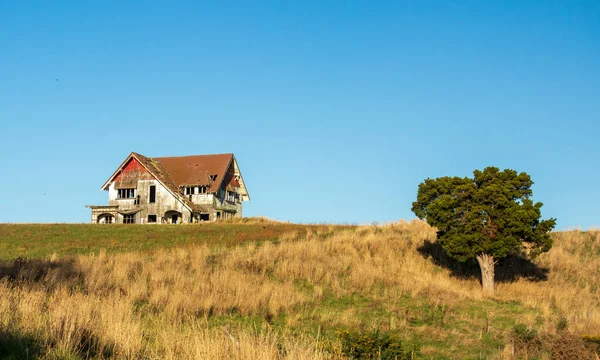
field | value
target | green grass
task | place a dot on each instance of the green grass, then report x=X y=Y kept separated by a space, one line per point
x=434 y=333
x=43 y=240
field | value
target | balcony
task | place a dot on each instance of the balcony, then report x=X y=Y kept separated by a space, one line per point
x=229 y=206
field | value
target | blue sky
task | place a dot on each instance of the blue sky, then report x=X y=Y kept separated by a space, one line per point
x=335 y=110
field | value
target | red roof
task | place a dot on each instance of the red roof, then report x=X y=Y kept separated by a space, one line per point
x=196 y=170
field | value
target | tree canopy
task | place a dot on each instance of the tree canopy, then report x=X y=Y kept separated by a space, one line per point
x=489 y=215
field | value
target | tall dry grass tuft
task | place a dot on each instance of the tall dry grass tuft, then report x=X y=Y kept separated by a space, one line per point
x=200 y=342
x=158 y=305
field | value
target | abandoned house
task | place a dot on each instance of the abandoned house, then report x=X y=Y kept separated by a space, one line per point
x=173 y=190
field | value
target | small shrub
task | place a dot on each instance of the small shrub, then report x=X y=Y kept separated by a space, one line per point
x=526 y=341
x=373 y=345
x=522 y=332
x=562 y=324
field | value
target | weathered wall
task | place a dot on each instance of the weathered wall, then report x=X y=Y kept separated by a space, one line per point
x=228 y=209
x=203 y=199
x=165 y=202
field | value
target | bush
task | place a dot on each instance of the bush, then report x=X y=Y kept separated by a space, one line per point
x=373 y=345
x=570 y=347
x=562 y=324
x=526 y=341
x=523 y=333
x=564 y=346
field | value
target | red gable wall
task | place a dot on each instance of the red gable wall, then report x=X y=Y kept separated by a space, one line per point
x=133 y=166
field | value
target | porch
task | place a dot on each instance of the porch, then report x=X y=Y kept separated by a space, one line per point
x=104 y=214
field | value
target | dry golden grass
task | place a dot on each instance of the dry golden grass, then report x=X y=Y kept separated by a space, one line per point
x=572 y=289
x=211 y=303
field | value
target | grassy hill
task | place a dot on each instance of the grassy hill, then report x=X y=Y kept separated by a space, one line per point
x=265 y=290
x=43 y=240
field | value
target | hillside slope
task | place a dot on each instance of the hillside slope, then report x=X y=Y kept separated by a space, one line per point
x=296 y=295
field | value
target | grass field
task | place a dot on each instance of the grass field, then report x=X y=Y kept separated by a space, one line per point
x=43 y=240
x=265 y=290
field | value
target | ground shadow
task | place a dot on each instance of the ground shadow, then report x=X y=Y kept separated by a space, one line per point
x=46 y=272
x=15 y=346
x=508 y=269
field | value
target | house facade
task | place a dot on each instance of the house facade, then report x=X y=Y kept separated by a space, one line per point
x=172 y=190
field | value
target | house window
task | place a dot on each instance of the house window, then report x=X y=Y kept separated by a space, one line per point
x=105 y=219
x=129 y=219
x=202 y=190
x=189 y=190
x=204 y=217
x=152 y=194
x=231 y=196
x=151 y=218
x=213 y=177
x=125 y=193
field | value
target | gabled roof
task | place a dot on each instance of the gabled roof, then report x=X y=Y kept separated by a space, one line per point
x=197 y=169
x=194 y=170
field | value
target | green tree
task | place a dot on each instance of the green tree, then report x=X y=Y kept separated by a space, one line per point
x=487 y=217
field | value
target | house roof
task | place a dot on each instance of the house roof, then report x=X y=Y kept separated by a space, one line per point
x=195 y=170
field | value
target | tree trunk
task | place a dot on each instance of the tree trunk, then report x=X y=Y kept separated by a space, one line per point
x=487 y=264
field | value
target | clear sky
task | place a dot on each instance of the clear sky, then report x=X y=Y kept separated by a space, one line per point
x=335 y=110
